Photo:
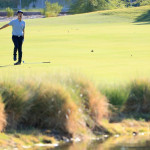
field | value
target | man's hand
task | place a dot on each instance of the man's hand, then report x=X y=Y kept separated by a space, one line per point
x=6 y=25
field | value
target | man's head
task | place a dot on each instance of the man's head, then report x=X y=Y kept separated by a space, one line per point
x=19 y=14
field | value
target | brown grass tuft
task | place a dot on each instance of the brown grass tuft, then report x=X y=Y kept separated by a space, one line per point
x=93 y=103
x=2 y=116
x=14 y=97
x=51 y=107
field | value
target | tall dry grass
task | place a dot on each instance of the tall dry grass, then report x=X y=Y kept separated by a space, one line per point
x=2 y=116
x=71 y=105
x=47 y=104
x=51 y=107
x=14 y=96
x=93 y=104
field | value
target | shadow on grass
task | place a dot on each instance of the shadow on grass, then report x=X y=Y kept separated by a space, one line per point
x=6 y=66
x=120 y=116
x=143 y=19
x=143 y=23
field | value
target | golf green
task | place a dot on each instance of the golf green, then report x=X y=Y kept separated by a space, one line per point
x=121 y=47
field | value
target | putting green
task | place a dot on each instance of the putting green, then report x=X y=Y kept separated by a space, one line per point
x=121 y=47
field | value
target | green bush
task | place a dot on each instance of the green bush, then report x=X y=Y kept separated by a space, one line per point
x=80 y=6
x=113 y=4
x=144 y=2
x=138 y=3
x=138 y=101
x=51 y=10
x=117 y=96
x=10 y=12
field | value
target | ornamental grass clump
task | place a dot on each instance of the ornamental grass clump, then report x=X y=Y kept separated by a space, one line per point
x=117 y=95
x=14 y=96
x=74 y=106
x=2 y=116
x=93 y=104
x=139 y=97
x=51 y=107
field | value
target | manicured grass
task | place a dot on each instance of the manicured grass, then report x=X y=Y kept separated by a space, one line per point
x=121 y=47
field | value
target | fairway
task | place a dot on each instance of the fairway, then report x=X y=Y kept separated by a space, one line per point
x=121 y=48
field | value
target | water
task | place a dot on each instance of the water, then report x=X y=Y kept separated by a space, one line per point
x=121 y=143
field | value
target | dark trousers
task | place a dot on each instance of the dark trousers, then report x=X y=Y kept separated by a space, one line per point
x=18 y=41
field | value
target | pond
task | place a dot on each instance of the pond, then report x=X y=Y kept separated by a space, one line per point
x=113 y=143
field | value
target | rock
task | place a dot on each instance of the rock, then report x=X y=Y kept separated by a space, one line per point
x=16 y=136
x=47 y=131
x=134 y=133
x=47 y=141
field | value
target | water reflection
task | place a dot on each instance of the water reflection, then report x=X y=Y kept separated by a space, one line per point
x=121 y=143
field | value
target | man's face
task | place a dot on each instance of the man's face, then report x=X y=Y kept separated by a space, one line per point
x=20 y=16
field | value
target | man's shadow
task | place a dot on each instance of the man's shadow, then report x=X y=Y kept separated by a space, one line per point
x=6 y=66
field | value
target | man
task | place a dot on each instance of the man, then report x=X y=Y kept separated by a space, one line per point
x=18 y=31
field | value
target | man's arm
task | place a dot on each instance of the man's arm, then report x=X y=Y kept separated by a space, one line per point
x=23 y=32
x=6 y=25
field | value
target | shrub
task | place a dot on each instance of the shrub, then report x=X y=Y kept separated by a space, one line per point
x=10 y=12
x=14 y=97
x=138 y=3
x=51 y=10
x=144 y=2
x=117 y=96
x=80 y=6
x=51 y=107
x=139 y=97
x=93 y=104
x=113 y=4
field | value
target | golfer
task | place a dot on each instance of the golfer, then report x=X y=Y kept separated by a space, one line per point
x=18 y=31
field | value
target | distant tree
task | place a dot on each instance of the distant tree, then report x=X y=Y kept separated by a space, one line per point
x=15 y=3
x=144 y=2
x=9 y=3
x=116 y=4
x=26 y=3
x=80 y=6
x=136 y=3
